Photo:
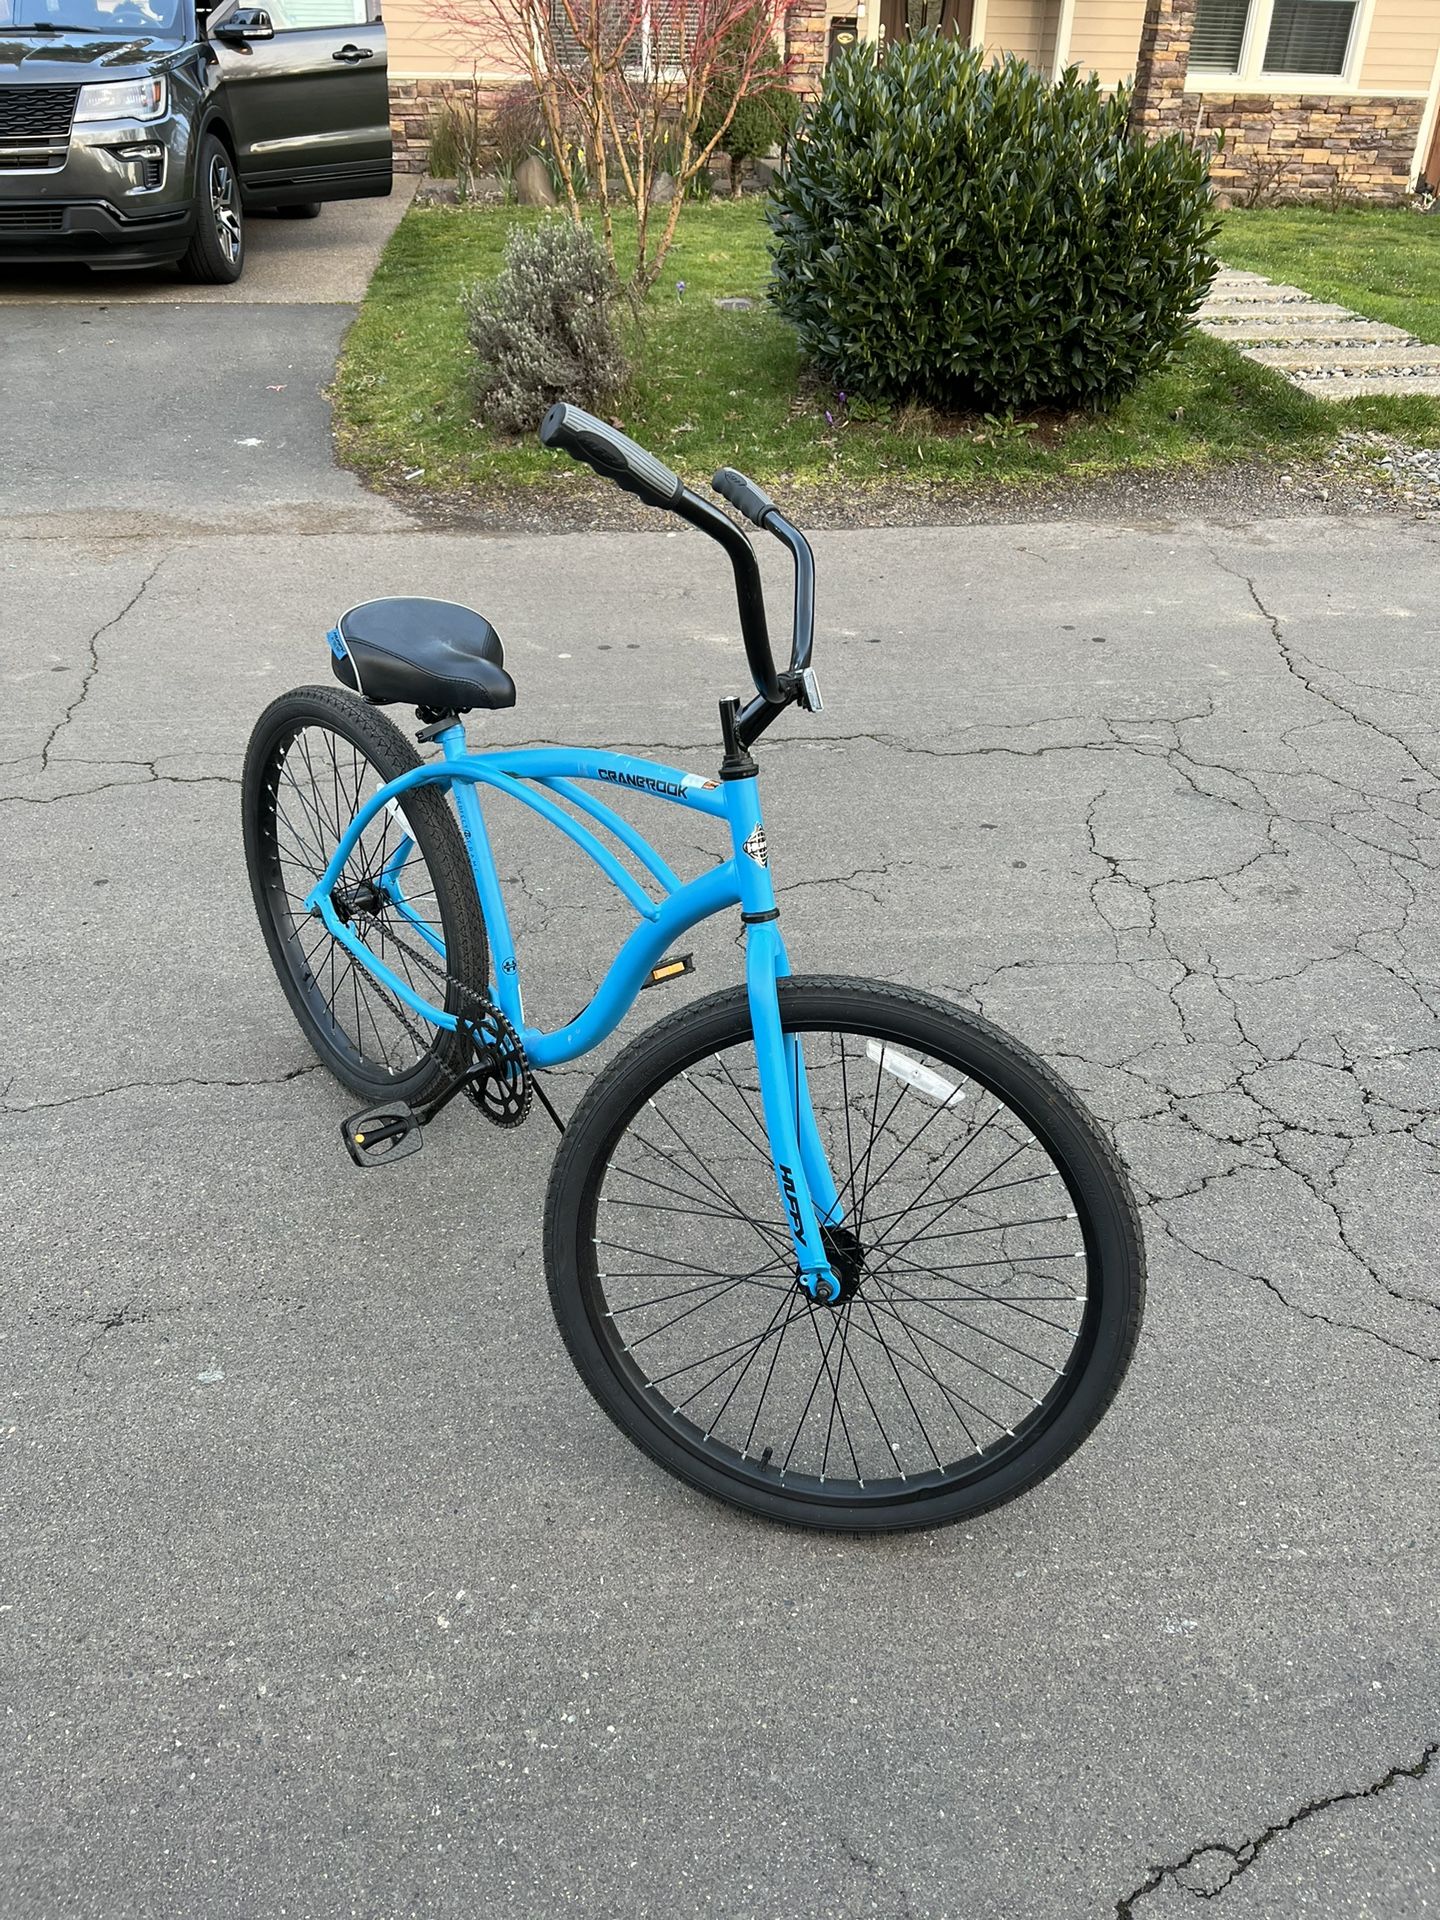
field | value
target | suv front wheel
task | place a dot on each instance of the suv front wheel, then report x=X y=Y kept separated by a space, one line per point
x=216 y=254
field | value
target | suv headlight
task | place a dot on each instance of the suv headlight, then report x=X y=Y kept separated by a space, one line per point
x=123 y=100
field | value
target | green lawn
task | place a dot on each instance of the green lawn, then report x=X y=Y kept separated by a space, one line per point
x=1383 y=264
x=718 y=388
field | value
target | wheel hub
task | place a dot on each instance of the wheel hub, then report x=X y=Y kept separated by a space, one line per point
x=365 y=897
x=847 y=1262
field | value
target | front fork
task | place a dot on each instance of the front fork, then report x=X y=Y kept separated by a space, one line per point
x=809 y=1198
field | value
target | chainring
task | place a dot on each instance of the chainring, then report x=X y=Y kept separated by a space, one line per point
x=500 y=1086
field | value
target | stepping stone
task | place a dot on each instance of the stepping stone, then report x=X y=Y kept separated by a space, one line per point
x=1273 y=310
x=1319 y=347
x=1304 y=359
x=1360 y=385
x=1269 y=328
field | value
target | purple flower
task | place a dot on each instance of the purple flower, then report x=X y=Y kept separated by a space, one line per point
x=829 y=418
x=679 y=288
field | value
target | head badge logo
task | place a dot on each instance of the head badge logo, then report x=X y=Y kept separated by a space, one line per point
x=757 y=848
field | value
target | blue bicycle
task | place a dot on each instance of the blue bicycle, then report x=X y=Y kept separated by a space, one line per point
x=833 y=1250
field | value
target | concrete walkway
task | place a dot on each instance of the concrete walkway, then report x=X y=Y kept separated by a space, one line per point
x=1320 y=348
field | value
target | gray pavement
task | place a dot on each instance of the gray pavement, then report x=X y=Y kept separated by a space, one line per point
x=327 y=1590
x=133 y=400
x=324 y=1588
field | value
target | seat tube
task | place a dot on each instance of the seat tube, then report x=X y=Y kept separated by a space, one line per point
x=504 y=967
x=780 y=1092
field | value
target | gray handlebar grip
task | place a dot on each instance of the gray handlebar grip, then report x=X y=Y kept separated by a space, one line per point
x=612 y=454
x=743 y=494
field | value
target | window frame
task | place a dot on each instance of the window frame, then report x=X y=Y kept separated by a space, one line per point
x=1251 y=75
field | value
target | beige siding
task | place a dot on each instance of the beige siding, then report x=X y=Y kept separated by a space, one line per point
x=1404 y=39
x=423 y=42
x=1105 y=38
x=1018 y=27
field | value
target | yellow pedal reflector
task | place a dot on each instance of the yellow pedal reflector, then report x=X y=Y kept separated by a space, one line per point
x=671 y=969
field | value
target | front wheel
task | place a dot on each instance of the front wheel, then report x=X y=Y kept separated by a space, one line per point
x=990 y=1258
x=216 y=254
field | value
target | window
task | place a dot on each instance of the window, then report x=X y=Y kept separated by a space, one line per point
x=1217 y=39
x=1309 y=36
x=1300 y=36
x=292 y=16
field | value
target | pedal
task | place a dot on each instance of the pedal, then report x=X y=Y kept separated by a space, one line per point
x=382 y=1134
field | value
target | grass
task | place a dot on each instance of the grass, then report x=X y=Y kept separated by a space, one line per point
x=1383 y=264
x=715 y=388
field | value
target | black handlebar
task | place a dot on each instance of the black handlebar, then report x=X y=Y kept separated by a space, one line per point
x=616 y=457
x=612 y=454
x=743 y=494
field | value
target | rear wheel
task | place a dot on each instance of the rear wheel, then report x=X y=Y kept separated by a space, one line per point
x=216 y=254
x=990 y=1259
x=316 y=754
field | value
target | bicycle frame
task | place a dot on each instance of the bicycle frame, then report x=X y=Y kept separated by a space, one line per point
x=539 y=777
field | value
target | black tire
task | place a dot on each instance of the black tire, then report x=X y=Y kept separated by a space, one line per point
x=301 y=210
x=216 y=254
x=341 y=749
x=723 y=1190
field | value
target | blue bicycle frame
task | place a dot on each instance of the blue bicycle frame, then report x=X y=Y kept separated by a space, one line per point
x=539 y=778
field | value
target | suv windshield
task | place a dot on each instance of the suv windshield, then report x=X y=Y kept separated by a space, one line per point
x=163 y=18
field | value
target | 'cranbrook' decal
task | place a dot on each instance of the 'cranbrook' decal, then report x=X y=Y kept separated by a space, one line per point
x=671 y=789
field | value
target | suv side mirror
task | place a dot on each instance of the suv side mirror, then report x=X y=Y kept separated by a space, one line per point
x=245 y=23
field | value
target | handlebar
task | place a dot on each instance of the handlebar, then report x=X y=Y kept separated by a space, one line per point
x=614 y=456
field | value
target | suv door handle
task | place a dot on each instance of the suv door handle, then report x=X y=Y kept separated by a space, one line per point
x=350 y=54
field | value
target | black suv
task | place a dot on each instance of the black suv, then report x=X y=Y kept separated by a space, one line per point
x=140 y=131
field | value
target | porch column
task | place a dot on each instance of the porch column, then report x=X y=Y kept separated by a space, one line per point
x=1161 y=66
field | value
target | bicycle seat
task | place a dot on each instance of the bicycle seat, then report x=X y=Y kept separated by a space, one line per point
x=422 y=653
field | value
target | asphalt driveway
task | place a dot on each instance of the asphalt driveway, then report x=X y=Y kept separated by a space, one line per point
x=129 y=399
x=324 y=1588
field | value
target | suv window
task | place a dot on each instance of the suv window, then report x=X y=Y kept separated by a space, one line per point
x=162 y=18
x=294 y=15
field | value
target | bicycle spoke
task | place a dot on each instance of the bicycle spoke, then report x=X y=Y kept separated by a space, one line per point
x=922 y=1366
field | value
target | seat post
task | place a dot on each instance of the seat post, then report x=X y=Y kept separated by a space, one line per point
x=448 y=729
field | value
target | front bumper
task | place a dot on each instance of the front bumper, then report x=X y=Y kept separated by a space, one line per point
x=121 y=199
x=90 y=233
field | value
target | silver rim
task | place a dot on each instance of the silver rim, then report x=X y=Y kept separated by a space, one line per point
x=225 y=209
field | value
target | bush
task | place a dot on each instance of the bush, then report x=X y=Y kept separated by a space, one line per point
x=545 y=329
x=765 y=114
x=975 y=236
x=460 y=142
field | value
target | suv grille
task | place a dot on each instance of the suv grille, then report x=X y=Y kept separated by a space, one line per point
x=35 y=126
x=31 y=219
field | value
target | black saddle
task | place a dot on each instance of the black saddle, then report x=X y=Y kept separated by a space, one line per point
x=430 y=654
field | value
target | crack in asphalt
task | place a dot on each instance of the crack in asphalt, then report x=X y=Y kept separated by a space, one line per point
x=93 y=669
x=190 y=1081
x=150 y=767
x=1222 y=1863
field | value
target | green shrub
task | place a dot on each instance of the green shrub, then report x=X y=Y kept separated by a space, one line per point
x=544 y=330
x=973 y=236
x=765 y=114
x=460 y=141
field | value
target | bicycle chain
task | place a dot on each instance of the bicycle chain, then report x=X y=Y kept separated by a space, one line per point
x=504 y=1092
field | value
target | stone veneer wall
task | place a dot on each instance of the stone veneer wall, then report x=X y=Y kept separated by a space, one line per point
x=807 y=39
x=1310 y=146
x=1160 y=66
x=413 y=104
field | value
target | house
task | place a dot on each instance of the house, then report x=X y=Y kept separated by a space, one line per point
x=1317 y=99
